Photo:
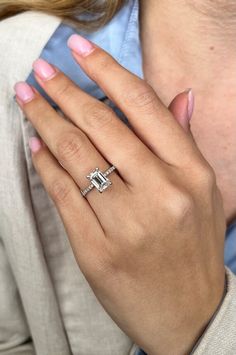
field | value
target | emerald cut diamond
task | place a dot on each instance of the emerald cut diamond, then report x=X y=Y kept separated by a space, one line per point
x=99 y=180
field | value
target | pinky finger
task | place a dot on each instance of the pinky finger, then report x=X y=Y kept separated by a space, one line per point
x=83 y=228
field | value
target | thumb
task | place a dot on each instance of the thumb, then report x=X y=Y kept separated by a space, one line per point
x=182 y=108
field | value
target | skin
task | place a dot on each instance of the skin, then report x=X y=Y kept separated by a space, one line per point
x=202 y=55
x=151 y=246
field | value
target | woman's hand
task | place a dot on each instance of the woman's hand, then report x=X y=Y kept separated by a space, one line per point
x=150 y=245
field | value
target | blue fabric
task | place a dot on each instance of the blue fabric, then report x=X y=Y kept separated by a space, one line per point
x=120 y=37
x=230 y=247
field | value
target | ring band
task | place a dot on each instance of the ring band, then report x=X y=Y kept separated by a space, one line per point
x=99 y=180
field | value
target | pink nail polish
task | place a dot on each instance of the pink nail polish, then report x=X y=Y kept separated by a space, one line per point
x=35 y=144
x=43 y=69
x=24 y=92
x=80 y=45
x=190 y=103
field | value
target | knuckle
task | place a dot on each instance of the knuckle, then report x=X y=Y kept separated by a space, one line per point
x=63 y=90
x=36 y=109
x=60 y=192
x=181 y=207
x=103 y=63
x=142 y=97
x=206 y=177
x=209 y=176
x=98 y=115
x=69 y=147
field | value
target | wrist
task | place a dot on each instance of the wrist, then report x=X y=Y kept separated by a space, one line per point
x=185 y=339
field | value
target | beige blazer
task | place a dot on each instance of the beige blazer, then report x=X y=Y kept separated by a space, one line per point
x=30 y=318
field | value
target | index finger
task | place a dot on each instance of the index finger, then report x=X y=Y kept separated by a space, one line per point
x=150 y=118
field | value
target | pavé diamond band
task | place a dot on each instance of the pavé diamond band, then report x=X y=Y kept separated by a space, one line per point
x=99 y=180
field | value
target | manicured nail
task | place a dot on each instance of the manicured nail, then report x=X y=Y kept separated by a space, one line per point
x=190 y=103
x=80 y=45
x=43 y=69
x=35 y=144
x=24 y=92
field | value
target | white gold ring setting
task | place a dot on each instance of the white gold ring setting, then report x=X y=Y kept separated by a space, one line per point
x=99 y=180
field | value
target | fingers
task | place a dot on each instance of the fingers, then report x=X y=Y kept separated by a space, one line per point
x=151 y=120
x=86 y=235
x=72 y=149
x=110 y=135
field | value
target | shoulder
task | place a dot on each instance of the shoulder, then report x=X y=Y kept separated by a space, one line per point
x=22 y=38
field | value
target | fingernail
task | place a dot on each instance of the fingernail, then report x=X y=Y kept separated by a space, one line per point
x=35 y=144
x=190 y=103
x=43 y=69
x=80 y=45
x=24 y=92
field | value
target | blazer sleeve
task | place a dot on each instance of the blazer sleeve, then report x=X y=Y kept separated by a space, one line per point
x=220 y=336
x=14 y=333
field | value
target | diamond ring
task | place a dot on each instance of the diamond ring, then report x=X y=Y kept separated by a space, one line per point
x=99 y=180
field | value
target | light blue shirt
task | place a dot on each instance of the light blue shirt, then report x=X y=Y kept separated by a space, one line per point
x=120 y=37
